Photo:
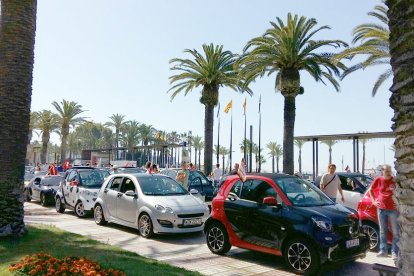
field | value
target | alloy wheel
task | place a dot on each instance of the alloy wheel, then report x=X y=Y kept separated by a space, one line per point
x=299 y=256
x=373 y=236
x=145 y=225
x=215 y=238
x=79 y=209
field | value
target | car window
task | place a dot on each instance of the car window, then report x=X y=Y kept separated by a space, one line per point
x=256 y=190
x=348 y=184
x=194 y=175
x=72 y=176
x=128 y=185
x=92 y=178
x=51 y=181
x=364 y=180
x=157 y=185
x=115 y=184
x=236 y=189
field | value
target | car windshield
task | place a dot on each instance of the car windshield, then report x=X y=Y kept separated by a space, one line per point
x=364 y=180
x=302 y=193
x=92 y=178
x=131 y=170
x=157 y=185
x=51 y=181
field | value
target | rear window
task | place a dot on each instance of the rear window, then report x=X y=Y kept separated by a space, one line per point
x=51 y=181
x=160 y=186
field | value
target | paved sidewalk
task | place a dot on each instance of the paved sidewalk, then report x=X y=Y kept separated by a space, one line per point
x=187 y=250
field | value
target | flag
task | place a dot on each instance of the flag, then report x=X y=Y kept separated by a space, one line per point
x=244 y=106
x=228 y=107
x=347 y=169
x=260 y=102
x=218 y=110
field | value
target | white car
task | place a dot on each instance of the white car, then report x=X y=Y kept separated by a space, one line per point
x=151 y=203
x=79 y=190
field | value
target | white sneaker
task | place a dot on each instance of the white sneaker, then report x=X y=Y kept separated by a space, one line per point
x=382 y=254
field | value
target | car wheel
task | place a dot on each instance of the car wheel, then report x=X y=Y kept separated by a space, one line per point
x=27 y=196
x=301 y=257
x=372 y=231
x=80 y=210
x=98 y=215
x=217 y=238
x=43 y=200
x=60 y=207
x=145 y=226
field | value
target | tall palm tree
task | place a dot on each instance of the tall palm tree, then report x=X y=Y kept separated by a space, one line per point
x=17 y=38
x=275 y=150
x=245 y=143
x=68 y=112
x=223 y=151
x=289 y=49
x=330 y=144
x=199 y=154
x=197 y=141
x=260 y=161
x=117 y=122
x=401 y=20
x=47 y=122
x=32 y=123
x=215 y=69
x=299 y=144
x=73 y=145
x=146 y=133
x=373 y=43
x=130 y=136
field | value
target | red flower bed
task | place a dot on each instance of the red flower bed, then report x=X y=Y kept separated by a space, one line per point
x=44 y=264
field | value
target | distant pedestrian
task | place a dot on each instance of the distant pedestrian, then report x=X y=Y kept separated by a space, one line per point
x=191 y=167
x=381 y=192
x=235 y=169
x=148 y=167
x=217 y=174
x=183 y=175
x=53 y=169
x=330 y=184
x=155 y=169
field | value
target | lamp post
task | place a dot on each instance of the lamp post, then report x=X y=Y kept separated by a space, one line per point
x=190 y=133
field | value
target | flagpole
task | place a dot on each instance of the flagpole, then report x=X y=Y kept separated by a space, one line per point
x=245 y=129
x=218 y=136
x=231 y=140
x=260 y=133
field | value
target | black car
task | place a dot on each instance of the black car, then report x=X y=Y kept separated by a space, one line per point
x=196 y=180
x=42 y=188
x=285 y=216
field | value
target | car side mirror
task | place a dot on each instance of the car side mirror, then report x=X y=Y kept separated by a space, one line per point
x=193 y=191
x=270 y=201
x=131 y=194
x=74 y=183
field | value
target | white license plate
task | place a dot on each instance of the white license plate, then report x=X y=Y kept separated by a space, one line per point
x=352 y=243
x=194 y=221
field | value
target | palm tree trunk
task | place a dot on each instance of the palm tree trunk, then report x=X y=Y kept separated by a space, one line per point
x=273 y=164
x=208 y=137
x=117 y=143
x=330 y=155
x=199 y=159
x=195 y=157
x=17 y=38
x=300 y=161
x=65 y=133
x=288 y=133
x=277 y=164
x=401 y=20
x=223 y=156
x=363 y=158
x=45 y=142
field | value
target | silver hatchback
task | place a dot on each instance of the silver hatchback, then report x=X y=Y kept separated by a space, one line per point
x=151 y=203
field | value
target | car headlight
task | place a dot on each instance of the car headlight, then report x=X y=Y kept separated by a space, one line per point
x=323 y=224
x=163 y=209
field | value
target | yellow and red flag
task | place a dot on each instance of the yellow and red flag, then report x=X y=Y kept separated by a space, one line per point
x=228 y=107
x=244 y=106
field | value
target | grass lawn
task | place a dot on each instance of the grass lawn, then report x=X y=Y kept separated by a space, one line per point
x=60 y=243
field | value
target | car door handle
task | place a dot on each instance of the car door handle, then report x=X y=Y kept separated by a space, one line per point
x=232 y=197
x=119 y=195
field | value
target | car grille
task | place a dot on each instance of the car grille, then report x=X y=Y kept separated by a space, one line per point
x=344 y=230
x=197 y=215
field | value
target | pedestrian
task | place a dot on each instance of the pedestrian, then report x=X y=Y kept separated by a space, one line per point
x=148 y=167
x=235 y=169
x=155 y=169
x=183 y=175
x=242 y=170
x=192 y=167
x=217 y=174
x=330 y=184
x=53 y=170
x=381 y=192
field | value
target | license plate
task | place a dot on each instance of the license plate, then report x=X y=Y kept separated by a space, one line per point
x=352 y=243
x=194 y=221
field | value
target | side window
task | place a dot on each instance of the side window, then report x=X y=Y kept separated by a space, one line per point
x=237 y=188
x=194 y=176
x=127 y=185
x=347 y=184
x=115 y=184
x=257 y=190
x=72 y=176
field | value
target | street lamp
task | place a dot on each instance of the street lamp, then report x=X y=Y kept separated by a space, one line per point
x=190 y=134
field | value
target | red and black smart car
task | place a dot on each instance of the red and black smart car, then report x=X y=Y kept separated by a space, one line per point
x=285 y=216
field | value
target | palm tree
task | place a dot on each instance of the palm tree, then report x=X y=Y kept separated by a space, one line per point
x=245 y=143
x=197 y=141
x=215 y=69
x=32 y=123
x=146 y=133
x=130 y=136
x=73 y=145
x=199 y=154
x=17 y=38
x=275 y=150
x=117 y=122
x=288 y=49
x=364 y=142
x=47 y=122
x=401 y=20
x=256 y=156
x=373 y=39
x=68 y=112
x=223 y=151
x=299 y=144
x=330 y=144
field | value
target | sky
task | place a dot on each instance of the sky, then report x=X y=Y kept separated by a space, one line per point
x=113 y=57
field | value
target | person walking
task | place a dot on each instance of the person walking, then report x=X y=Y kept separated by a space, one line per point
x=381 y=192
x=235 y=169
x=217 y=174
x=183 y=175
x=331 y=184
x=148 y=167
x=53 y=169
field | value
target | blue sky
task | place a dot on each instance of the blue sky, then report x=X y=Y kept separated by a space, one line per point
x=112 y=57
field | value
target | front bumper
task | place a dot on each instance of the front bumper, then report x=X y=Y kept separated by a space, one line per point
x=174 y=223
x=338 y=252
